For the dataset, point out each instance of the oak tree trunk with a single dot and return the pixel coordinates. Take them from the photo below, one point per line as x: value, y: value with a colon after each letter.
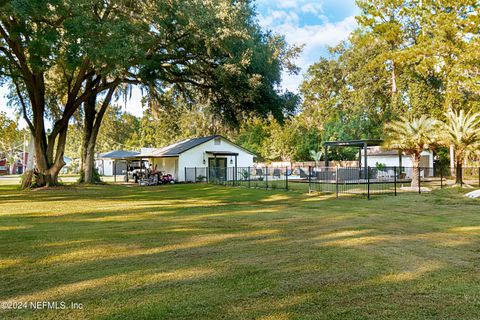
x: 92, y: 123
x: 87, y: 160
x: 48, y: 155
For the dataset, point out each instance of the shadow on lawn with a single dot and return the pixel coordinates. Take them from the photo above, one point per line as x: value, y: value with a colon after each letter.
x: 275, y: 255
x: 125, y: 192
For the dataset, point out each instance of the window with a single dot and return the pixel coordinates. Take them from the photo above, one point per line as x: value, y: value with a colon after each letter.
x: 218, y: 141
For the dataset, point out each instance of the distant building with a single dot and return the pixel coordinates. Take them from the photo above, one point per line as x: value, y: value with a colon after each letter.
x: 18, y: 166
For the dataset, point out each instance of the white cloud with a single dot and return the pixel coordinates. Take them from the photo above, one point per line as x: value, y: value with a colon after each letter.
x: 288, y: 4
x: 315, y: 38
x: 314, y: 8
x: 328, y: 34
x: 290, y: 17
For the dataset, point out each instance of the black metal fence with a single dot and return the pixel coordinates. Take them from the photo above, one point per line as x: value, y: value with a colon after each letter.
x: 336, y: 180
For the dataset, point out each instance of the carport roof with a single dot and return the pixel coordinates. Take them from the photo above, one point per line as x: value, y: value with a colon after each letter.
x: 117, y: 154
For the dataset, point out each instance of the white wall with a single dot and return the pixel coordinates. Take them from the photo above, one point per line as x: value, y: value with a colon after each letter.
x: 389, y: 161
x: 104, y: 166
x: 393, y: 161
x: 194, y: 157
x: 166, y: 165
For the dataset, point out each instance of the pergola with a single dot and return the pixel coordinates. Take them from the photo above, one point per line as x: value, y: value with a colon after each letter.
x: 360, y: 144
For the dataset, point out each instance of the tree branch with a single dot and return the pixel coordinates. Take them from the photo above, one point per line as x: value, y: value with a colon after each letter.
x: 17, y: 51
x: 103, y: 108
x: 24, y: 108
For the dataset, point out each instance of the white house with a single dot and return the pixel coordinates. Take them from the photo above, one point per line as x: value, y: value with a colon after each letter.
x: 391, y: 158
x: 191, y: 158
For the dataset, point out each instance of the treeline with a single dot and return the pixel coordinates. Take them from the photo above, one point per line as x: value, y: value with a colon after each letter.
x: 406, y: 58
x: 208, y: 67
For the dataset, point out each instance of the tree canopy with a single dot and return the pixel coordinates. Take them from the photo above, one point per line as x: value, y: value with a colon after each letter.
x: 406, y: 57
x: 58, y: 54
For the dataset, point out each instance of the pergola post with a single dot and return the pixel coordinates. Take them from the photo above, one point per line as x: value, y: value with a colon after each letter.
x: 325, y: 152
x: 359, y: 158
x: 365, y: 158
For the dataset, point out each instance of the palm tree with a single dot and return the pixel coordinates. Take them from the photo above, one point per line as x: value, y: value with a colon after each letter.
x: 316, y: 156
x: 412, y: 136
x: 462, y: 131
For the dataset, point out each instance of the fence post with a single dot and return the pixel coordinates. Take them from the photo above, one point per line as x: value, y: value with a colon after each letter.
x: 248, y: 177
x: 368, y: 183
x: 185, y: 177
x: 266, y: 177
x: 478, y: 169
x: 395, y: 180
x: 419, y: 180
x: 441, y: 177
x: 309, y: 178
x: 235, y: 176
x: 336, y: 182
x: 286, y: 178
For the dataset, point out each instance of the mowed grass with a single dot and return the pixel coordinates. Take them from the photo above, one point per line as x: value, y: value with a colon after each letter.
x: 210, y: 252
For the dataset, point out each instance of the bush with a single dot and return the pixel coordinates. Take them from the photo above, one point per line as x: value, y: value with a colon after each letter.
x: 380, y: 166
x: 201, y: 178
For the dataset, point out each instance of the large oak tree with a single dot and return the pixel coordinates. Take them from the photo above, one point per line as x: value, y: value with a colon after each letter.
x: 59, y: 55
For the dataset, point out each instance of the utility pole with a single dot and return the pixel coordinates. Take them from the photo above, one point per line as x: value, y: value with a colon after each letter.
x: 24, y: 156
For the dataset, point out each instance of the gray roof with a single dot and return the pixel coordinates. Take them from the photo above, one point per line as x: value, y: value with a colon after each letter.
x: 117, y: 154
x: 174, y: 150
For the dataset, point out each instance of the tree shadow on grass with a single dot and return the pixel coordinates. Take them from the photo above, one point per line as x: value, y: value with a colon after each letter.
x: 265, y: 258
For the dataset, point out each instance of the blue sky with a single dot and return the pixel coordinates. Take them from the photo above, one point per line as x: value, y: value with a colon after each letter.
x: 316, y: 24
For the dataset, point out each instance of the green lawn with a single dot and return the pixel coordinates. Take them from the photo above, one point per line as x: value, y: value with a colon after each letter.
x: 209, y: 252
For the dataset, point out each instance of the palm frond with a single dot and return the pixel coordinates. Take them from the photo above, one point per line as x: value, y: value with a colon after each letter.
x: 412, y: 135
x: 462, y: 130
